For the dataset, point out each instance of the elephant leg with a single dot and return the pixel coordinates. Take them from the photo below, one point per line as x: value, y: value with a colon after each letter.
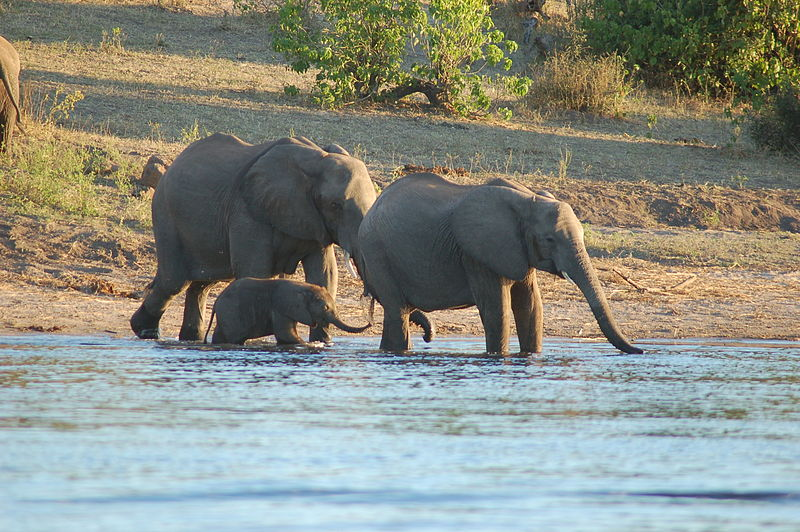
x: 396, y: 336
x: 219, y: 337
x: 492, y: 296
x: 285, y: 330
x: 321, y: 269
x: 158, y: 296
x: 194, y: 310
x: 526, y: 303
x: 7, y: 121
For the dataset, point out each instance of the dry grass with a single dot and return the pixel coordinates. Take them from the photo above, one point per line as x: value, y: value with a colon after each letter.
x: 771, y: 251
x: 575, y: 80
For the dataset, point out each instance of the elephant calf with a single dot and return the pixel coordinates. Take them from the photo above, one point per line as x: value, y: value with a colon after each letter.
x: 252, y: 308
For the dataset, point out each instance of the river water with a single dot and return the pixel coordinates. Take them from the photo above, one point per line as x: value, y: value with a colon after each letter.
x: 100, y: 434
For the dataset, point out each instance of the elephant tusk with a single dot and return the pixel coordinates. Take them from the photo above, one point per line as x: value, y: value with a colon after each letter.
x: 348, y: 263
x: 566, y: 276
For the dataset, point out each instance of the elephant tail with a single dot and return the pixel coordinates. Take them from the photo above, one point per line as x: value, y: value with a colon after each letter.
x: 210, y: 321
x: 13, y: 97
x: 422, y: 320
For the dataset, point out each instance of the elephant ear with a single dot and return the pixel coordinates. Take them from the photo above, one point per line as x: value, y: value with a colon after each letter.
x: 487, y: 225
x: 280, y: 188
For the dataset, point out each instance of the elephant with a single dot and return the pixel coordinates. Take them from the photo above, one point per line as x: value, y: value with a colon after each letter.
x: 226, y: 209
x: 10, y: 114
x: 251, y: 308
x: 431, y: 244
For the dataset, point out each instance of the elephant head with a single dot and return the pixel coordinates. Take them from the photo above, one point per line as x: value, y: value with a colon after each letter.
x: 315, y: 306
x: 310, y: 193
x: 511, y: 230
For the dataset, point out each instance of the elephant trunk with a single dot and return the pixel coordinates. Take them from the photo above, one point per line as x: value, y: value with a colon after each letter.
x: 583, y: 275
x: 334, y: 320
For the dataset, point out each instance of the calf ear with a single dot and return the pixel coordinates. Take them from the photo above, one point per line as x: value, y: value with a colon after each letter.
x: 488, y: 228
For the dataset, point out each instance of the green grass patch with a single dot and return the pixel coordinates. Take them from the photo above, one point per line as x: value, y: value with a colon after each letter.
x: 47, y: 177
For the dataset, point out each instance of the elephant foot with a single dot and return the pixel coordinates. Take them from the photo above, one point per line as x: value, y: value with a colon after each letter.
x: 145, y: 324
x: 320, y: 335
x: 149, y: 334
x: 298, y: 341
x: 190, y: 334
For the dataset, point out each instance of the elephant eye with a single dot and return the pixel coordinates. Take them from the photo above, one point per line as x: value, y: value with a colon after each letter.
x: 336, y: 205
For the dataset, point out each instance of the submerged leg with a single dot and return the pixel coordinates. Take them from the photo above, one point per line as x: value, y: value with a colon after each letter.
x: 526, y: 303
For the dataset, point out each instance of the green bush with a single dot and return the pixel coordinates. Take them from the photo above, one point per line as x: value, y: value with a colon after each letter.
x: 776, y: 126
x: 713, y: 46
x: 48, y: 176
x: 577, y: 80
x: 357, y: 45
x: 388, y: 49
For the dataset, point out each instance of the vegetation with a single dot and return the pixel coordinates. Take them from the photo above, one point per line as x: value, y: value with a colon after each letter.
x: 47, y: 175
x: 387, y: 49
x: 776, y: 125
x: 575, y: 79
x: 717, y: 46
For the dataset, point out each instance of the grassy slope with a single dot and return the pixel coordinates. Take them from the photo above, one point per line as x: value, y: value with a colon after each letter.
x: 188, y: 71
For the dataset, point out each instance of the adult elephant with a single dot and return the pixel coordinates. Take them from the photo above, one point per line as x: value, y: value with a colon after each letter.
x: 10, y: 115
x: 431, y: 244
x: 228, y: 209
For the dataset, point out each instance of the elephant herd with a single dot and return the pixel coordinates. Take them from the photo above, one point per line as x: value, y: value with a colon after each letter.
x: 226, y: 209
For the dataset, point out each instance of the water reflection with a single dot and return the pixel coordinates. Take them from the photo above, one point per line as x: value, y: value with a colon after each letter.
x: 130, y: 435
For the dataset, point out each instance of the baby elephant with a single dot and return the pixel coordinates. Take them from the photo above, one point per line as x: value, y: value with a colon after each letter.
x: 251, y: 308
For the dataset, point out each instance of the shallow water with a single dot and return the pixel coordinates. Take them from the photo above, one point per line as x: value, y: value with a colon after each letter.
x: 129, y: 435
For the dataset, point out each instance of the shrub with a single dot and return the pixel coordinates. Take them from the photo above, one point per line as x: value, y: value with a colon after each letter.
x: 776, y: 125
x: 367, y: 49
x: 358, y: 45
x: 575, y: 79
x: 713, y: 46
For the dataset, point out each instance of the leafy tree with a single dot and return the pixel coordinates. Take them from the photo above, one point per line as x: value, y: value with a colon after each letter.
x: 387, y: 49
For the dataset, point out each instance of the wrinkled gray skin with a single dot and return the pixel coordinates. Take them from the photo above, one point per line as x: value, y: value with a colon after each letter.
x: 10, y: 115
x: 431, y: 244
x: 251, y: 308
x: 227, y: 209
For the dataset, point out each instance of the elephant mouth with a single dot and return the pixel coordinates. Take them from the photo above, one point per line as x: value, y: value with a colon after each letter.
x: 550, y: 267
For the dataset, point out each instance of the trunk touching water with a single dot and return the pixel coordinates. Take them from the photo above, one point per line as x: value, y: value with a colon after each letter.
x: 583, y: 275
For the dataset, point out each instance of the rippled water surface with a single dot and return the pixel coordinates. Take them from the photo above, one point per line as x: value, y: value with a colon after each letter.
x: 128, y: 435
